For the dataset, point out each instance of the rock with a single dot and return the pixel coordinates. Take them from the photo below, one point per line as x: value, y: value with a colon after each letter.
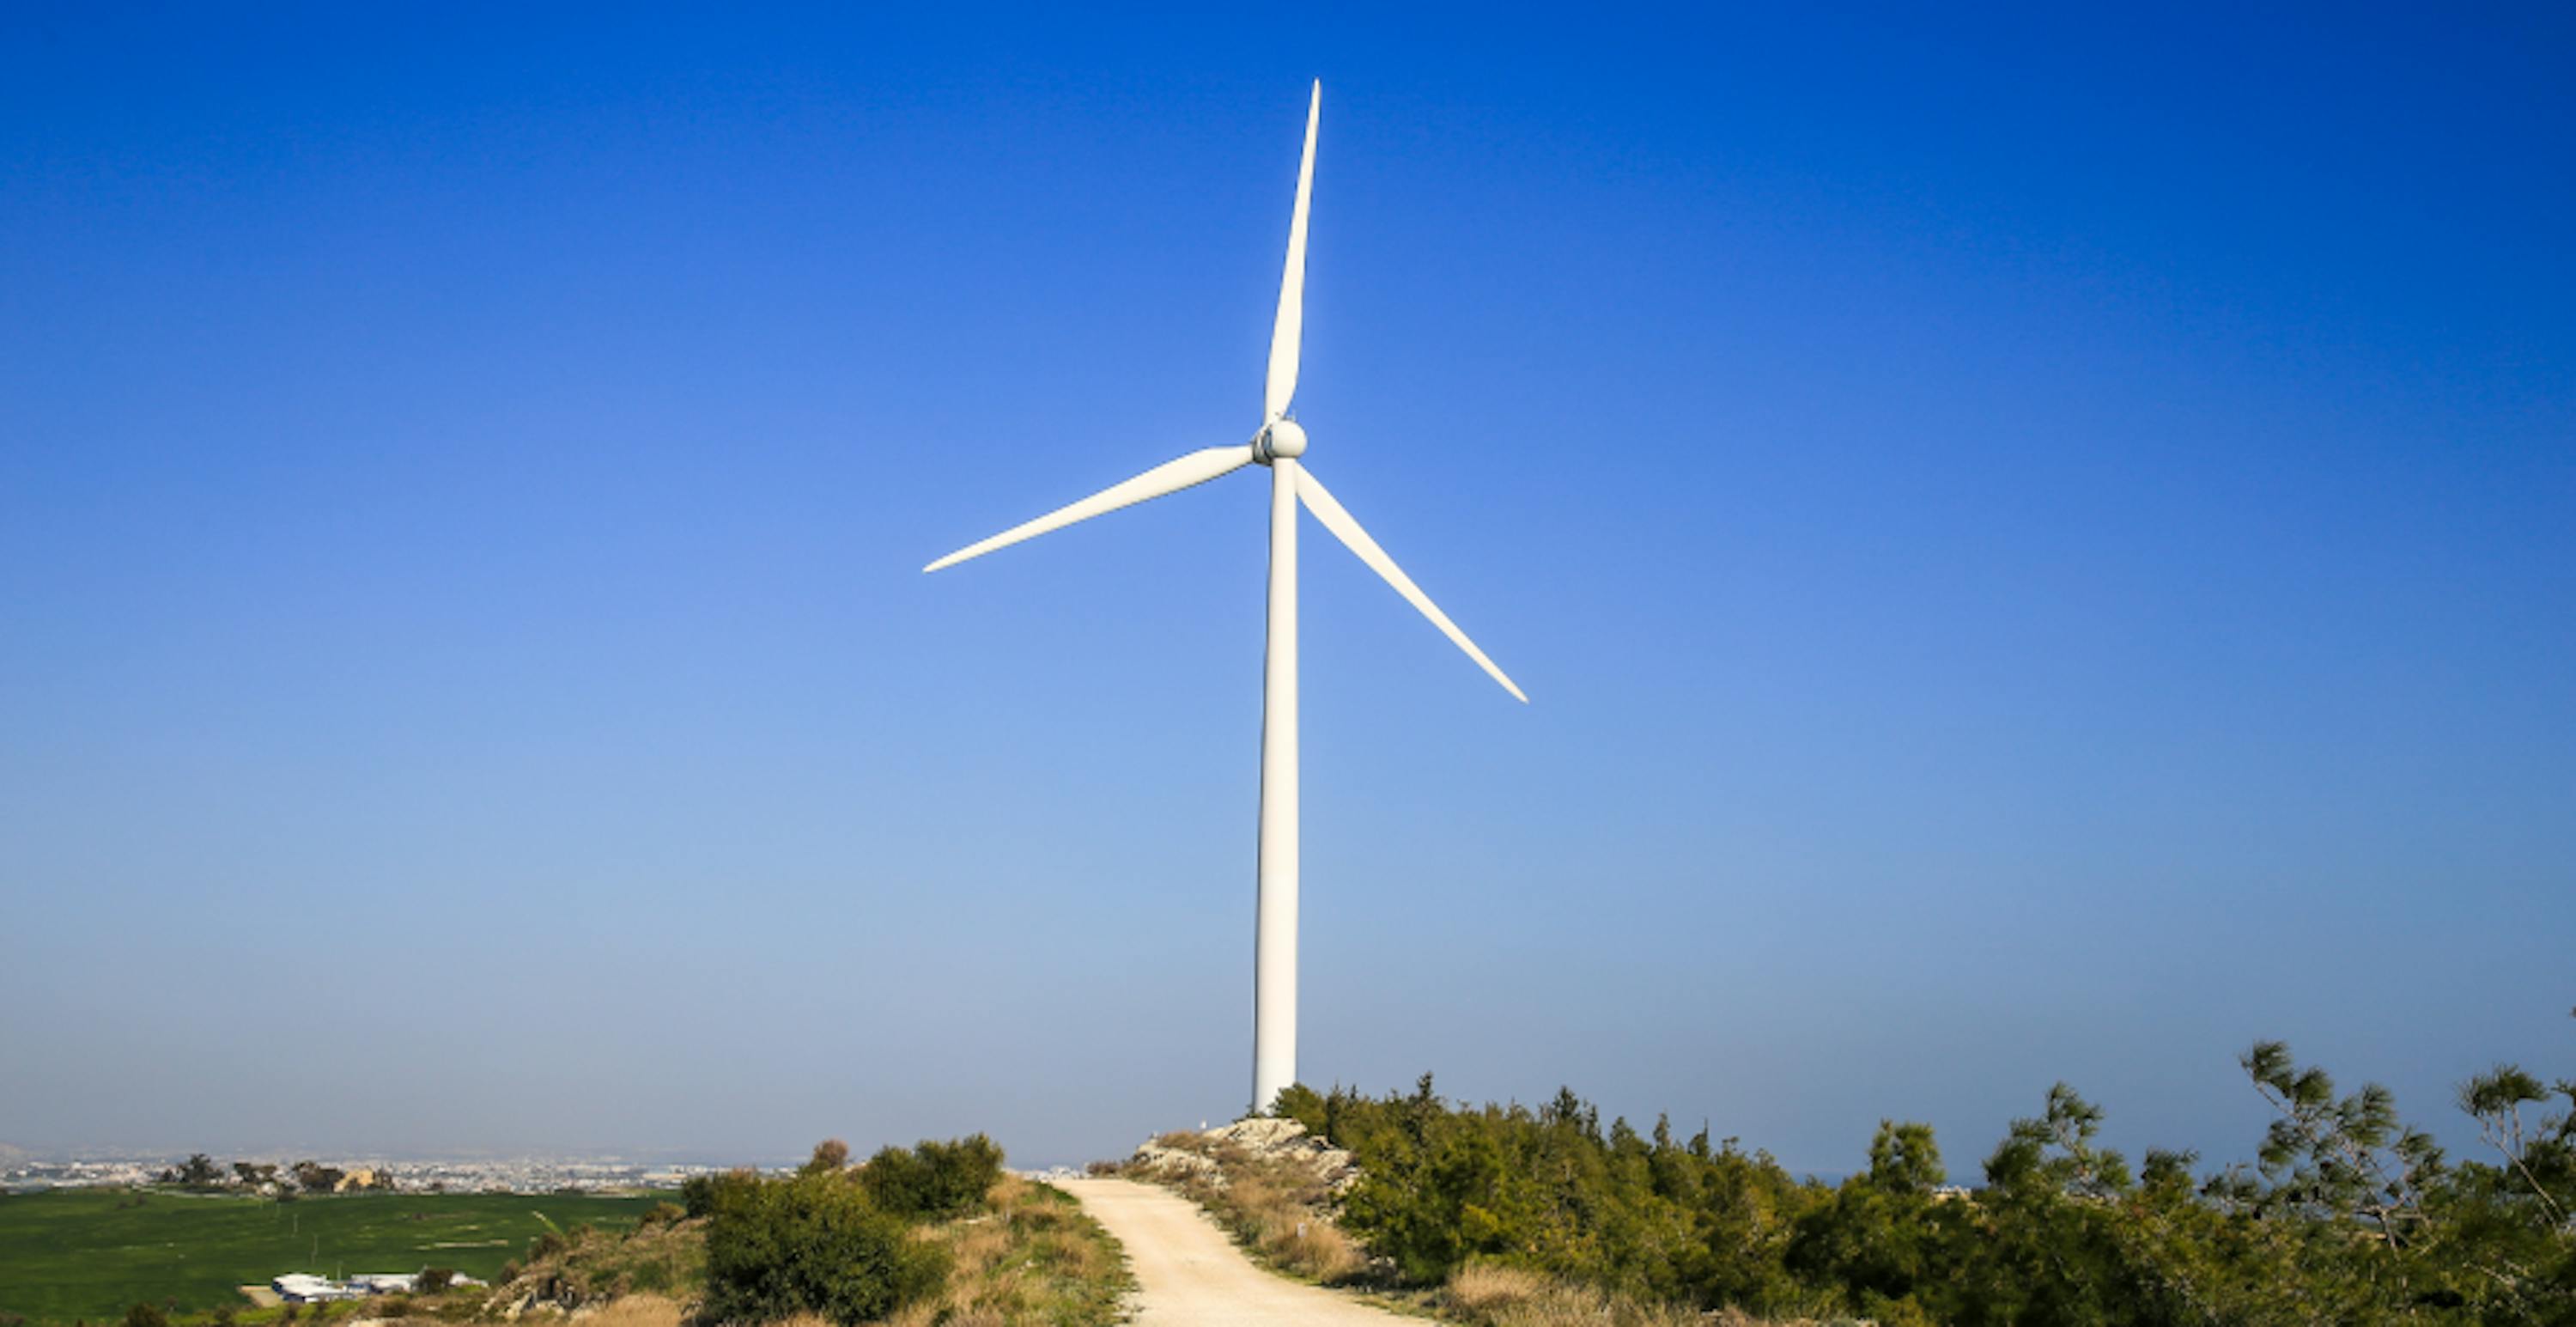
x: 1174, y: 1163
x: 1260, y: 1138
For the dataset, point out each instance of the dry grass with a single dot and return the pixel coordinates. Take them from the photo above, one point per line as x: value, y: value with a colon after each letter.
x: 1488, y: 1287
x: 1732, y: 1317
x: 1032, y: 1258
x: 1493, y: 1296
x: 1280, y: 1209
x: 597, y: 1267
x: 1277, y: 1208
x: 642, y: 1311
x: 1313, y: 1247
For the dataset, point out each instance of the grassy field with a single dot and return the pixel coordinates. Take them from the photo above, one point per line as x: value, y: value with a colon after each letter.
x: 88, y: 1254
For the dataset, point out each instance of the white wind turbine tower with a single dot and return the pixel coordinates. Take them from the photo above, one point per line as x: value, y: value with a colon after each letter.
x: 1278, y: 444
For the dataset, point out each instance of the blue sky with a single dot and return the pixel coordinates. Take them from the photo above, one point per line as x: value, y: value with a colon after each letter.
x: 2041, y: 545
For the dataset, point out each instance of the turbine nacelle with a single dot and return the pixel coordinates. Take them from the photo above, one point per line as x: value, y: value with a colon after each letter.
x: 1282, y: 437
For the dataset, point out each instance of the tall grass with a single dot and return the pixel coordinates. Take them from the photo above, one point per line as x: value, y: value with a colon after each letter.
x: 1031, y: 1257
x: 640, y: 1311
x: 1489, y: 1295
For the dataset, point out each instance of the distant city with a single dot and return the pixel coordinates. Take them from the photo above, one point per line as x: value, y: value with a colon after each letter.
x: 21, y: 1172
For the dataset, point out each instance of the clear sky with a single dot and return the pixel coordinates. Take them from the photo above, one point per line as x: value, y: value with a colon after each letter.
x: 2042, y: 545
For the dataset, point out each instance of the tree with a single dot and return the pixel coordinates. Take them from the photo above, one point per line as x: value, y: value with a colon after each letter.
x: 2516, y: 1221
x: 2540, y: 1154
x: 1300, y: 1103
x: 1882, y: 1238
x: 433, y: 1280
x: 199, y: 1171
x: 933, y: 1180
x: 1903, y: 1158
x: 776, y: 1248
x: 316, y: 1177
x: 2347, y: 1156
x: 700, y: 1194
x: 830, y: 1155
x: 2056, y: 1152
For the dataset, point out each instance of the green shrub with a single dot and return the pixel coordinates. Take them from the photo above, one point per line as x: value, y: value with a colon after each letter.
x: 815, y: 1243
x: 831, y: 1154
x: 933, y: 1181
x: 1301, y: 1103
x: 2350, y: 1213
x: 699, y: 1194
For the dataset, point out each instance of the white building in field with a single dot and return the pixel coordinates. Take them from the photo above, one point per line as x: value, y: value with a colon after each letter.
x: 305, y: 1288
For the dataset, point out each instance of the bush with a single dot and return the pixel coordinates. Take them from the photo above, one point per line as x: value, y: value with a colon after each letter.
x: 815, y: 1243
x: 433, y: 1280
x: 1300, y: 1103
x: 144, y: 1315
x: 2350, y: 1214
x: 933, y: 1181
x: 597, y: 1267
x: 699, y: 1194
x: 831, y: 1154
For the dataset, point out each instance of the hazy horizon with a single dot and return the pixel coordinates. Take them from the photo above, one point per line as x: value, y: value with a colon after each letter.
x: 2040, y: 545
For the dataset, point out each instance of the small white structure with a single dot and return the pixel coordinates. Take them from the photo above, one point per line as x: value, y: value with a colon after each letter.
x: 306, y: 1288
x: 384, y: 1283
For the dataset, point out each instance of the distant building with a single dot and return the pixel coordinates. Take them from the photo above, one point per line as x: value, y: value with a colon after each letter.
x: 305, y: 1288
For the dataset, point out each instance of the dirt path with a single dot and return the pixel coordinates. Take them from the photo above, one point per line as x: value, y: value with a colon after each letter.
x: 1188, y: 1272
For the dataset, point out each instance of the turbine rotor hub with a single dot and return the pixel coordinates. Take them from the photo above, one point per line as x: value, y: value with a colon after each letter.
x: 1281, y: 437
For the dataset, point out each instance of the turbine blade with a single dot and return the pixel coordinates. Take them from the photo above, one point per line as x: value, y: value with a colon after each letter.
x: 1169, y: 477
x: 1290, y: 328
x: 1339, y: 521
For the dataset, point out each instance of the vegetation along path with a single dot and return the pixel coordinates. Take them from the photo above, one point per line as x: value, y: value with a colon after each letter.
x: 1187, y: 1271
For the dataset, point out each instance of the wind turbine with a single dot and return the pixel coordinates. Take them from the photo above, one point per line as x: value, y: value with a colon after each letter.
x: 1278, y: 445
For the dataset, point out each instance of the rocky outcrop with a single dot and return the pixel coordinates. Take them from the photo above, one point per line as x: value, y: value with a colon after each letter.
x: 1181, y: 1157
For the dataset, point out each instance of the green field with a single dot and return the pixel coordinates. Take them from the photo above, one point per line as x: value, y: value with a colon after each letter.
x: 88, y: 1254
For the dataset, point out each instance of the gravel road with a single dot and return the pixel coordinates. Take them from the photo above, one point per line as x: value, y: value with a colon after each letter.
x: 1188, y: 1272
